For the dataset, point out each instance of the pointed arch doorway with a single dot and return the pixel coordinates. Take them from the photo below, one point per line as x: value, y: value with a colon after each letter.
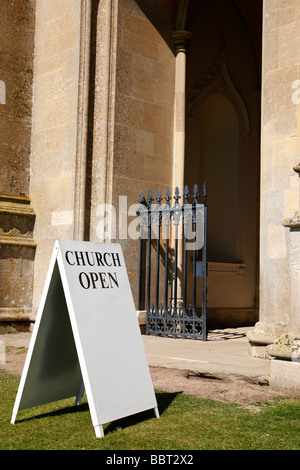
x: 222, y: 149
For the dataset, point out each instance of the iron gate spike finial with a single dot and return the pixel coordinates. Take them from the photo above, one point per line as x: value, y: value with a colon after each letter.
x: 186, y: 194
x: 150, y: 198
x: 159, y: 198
x: 142, y: 197
x: 195, y: 193
x: 177, y: 196
x: 168, y: 196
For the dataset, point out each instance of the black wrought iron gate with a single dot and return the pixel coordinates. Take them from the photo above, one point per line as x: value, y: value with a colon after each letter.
x: 176, y: 233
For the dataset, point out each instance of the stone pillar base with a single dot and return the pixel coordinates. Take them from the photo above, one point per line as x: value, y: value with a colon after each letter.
x: 285, y: 377
x: 285, y: 364
x: 258, y: 351
x: 264, y: 334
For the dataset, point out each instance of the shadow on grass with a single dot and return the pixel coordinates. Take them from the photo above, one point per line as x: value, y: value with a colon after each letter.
x: 59, y: 412
x: 164, y: 400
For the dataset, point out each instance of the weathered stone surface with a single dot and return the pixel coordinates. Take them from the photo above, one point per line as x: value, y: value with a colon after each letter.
x: 266, y: 332
x: 54, y: 128
x: 17, y: 250
x: 16, y: 72
x: 17, y: 218
x: 286, y: 347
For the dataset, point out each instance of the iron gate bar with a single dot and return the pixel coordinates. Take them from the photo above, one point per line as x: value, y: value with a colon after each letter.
x: 173, y: 318
x: 158, y: 225
x: 150, y: 200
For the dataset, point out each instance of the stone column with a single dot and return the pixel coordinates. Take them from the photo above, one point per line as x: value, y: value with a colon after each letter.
x: 293, y: 224
x: 181, y: 41
x: 278, y: 331
x: 278, y: 124
x: 82, y: 121
x: 285, y: 351
x: 104, y: 107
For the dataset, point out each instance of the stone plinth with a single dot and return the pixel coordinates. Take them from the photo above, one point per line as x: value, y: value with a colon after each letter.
x: 264, y: 334
x: 285, y: 364
x: 285, y: 377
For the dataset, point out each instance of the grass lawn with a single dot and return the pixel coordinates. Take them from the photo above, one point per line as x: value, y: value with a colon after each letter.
x: 186, y: 423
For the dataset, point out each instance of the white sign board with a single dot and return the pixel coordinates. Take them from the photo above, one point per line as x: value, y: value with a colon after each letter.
x: 86, y: 336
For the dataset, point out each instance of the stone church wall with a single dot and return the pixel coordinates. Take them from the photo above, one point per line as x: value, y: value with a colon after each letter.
x: 17, y: 247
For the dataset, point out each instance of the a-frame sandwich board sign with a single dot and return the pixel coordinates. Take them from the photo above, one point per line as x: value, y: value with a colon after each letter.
x: 86, y: 336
